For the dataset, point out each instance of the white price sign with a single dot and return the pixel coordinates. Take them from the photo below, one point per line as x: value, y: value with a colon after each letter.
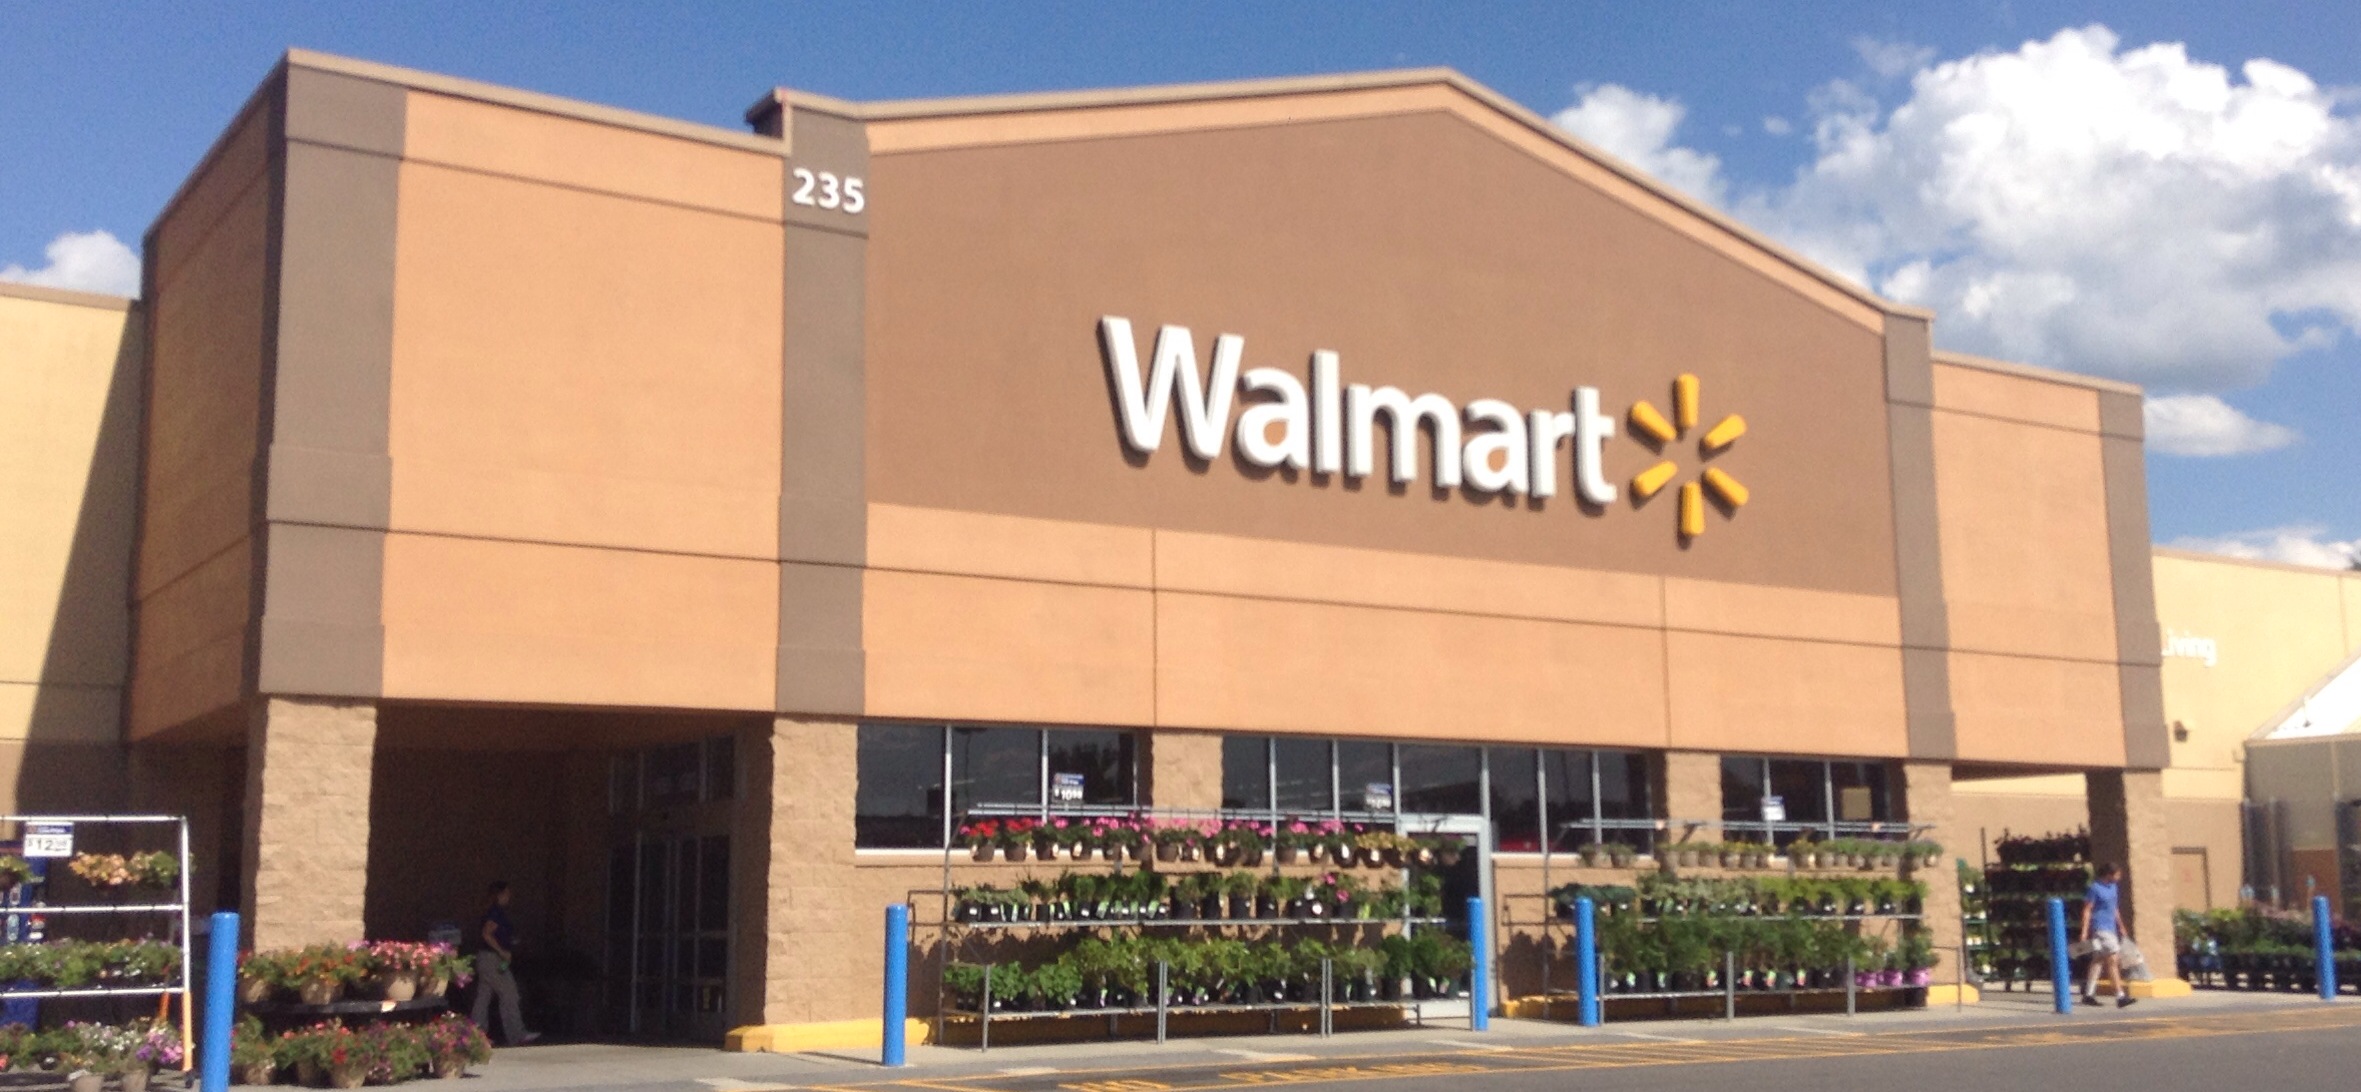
x: 49, y: 839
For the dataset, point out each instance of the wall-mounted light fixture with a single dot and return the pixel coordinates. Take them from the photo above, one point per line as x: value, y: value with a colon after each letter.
x: 2180, y: 732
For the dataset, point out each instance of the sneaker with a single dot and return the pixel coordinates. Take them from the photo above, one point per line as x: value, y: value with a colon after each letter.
x: 2126, y: 1002
x: 2090, y: 999
x: 528, y: 1037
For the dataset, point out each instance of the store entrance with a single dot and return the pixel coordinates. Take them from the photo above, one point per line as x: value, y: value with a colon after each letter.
x: 668, y: 897
x: 1468, y: 877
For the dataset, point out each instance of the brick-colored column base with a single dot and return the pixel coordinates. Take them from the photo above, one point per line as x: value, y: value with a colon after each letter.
x: 307, y: 819
x: 2128, y: 826
x: 1926, y: 801
x: 819, y: 950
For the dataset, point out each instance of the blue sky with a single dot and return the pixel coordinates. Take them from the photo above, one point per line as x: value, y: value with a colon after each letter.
x: 2201, y: 215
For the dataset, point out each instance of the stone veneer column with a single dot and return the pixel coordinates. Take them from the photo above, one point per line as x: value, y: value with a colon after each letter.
x: 2128, y: 827
x: 805, y: 936
x: 1693, y: 790
x: 1183, y: 768
x: 307, y: 819
x: 1926, y: 801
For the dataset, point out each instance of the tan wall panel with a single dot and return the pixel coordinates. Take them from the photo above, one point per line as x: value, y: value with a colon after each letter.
x: 990, y: 267
x: 1272, y: 569
x: 2021, y: 709
x: 2218, y: 828
x: 968, y: 647
x: 1980, y: 819
x: 589, y: 155
x: 1259, y: 665
x: 2018, y: 398
x: 236, y: 162
x: 1714, y: 607
x: 61, y: 713
x: 940, y: 540
x: 503, y: 621
x: 2352, y: 597
x: 2025, y: 562
x: 190, y: 650
x: 68, y: 416
x: 1752, y: 694
x: 635, y: 400
x: 204, y: 393
x: 2277, y: 630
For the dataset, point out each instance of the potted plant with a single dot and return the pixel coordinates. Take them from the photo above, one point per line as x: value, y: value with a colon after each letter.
x: 319, y: 973
x: 157, y: 1046
x: 1293, y: 840
x: 1594, y: 855
x: 14, y: 870
x: 254, y: 1055
x: 980, y: 837
x: 259, y: 973
x: 1174, y: 842
x: 1015, y: 838
x: 393, y: 969
x: 447, y: 969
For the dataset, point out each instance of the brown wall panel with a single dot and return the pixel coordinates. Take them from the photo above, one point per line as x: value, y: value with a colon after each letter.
x: 990, y: 266
x: 2025, y: 543
x: 469, y: 619
x: 966, y: 647
x: 1755, y: 695
x: 941, y: 540
x: 189, y: 652
x: 2023, y: 709
x: 205, y: 391
x: 1712, y: 607
x: 635, y: 401
x: 1268, y: 569
x: 1262, y: 665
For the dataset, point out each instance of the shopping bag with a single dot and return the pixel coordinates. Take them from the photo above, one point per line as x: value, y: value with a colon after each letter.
x: 2134, y: 964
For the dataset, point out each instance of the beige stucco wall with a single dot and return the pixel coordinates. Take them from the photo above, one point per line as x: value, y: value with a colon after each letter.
x: 593, y: 519
x: 2026, y: 577
x: 69, y: 411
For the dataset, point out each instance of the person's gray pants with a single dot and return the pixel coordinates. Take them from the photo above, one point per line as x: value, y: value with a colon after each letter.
x: 492, y: 976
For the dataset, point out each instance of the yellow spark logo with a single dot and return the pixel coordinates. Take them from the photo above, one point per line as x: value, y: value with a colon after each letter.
x: 1647, y: 421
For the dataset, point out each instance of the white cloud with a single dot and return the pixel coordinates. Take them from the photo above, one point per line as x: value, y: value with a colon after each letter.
x: 2203, y: 425
x: 1777, y: 126
x: 2132, y: 212
x: 2298, y: 544
x: 1638, y: 128
x: 1891, y: 58
x: 88, y: 261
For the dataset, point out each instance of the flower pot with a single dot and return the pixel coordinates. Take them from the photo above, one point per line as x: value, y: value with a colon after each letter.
x: 1287, y: 854
x: 258, y: 1073
x: 434, y: 987
x: 1594, y: 858
x: 351, y: 1076
x: 1922, y: 977
x: 981, y: 853
x: 1730, y: 860
x: 1015, y: 851
x: 253, y: 991
x: 86, y: 1082
x: 317, y: 993
x: 1167, y: 853
x: 1684, y: 858
x: 397, y: 987
x: 309, y: 1074
x: 449, y: 1069
x: 1251, y: 857
x: 134, y: 1080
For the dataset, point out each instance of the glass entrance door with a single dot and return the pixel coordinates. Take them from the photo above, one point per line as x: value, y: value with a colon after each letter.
x: 1468, y: 877
x: 668, y: 916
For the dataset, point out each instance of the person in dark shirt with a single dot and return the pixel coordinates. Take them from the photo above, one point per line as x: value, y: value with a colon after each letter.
x: 493, y: 974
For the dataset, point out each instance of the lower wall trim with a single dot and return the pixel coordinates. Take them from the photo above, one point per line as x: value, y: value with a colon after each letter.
x: 824, y: 1035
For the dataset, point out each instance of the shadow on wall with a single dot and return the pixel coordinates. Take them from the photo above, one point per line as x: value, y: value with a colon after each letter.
x: 73, y: 757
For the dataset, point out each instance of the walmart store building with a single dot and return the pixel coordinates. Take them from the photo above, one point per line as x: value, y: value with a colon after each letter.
x: 687, y: 524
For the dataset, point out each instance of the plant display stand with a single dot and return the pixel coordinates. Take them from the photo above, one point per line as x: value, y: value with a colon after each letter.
x: 2017, y: 889
x: 145, y: 911
x: 1153, y: 923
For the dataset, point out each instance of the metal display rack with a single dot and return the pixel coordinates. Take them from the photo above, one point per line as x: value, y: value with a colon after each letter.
x: 177, y: 911
x: 1660, y: 832
x: 958, y: 936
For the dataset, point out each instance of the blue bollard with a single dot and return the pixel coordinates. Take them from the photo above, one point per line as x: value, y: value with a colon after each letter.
x: 2061, y: 970
x: 1479, y: 993
x: 897, y: 984
x: 2324, y: 942
x: 221, y: 1003
x: 1586, y: 960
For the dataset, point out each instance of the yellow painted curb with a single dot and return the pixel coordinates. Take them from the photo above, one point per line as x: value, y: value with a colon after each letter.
x: 2161, y: 987
x: 827, y: 1035
x: 1953, y: 995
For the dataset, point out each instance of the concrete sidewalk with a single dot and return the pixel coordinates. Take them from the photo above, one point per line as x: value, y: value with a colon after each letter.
x: 697, y: 1069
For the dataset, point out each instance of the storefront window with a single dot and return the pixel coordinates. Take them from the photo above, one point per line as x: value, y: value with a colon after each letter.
x: 1442, y: 780
x: 1246, y: 773
x: 1742, y: 789
x: 1566, y: 774
x: 898, y: 803
x: 1305, y: 774
x: 1365, y: 776
x: 1813, y: 796
x: 1626, y: 793
x: 1859, y: 790
x: 1102, y: 760
x: 1513, y: 774
x: 901, y: 795
x: 1802, y: 790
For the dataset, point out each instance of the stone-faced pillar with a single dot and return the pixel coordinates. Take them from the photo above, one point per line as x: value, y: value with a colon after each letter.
x: 807, y: 936
x: 1926, y: 802
x: 1184, y: 770
x: 306, y: 864
x: 1693, y: 791
x: 2128, y: 827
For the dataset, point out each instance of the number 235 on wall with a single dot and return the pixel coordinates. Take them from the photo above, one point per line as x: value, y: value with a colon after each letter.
x: 823, y: 189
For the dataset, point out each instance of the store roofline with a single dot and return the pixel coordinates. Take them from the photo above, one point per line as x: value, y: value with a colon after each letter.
x: 2035, y: 371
